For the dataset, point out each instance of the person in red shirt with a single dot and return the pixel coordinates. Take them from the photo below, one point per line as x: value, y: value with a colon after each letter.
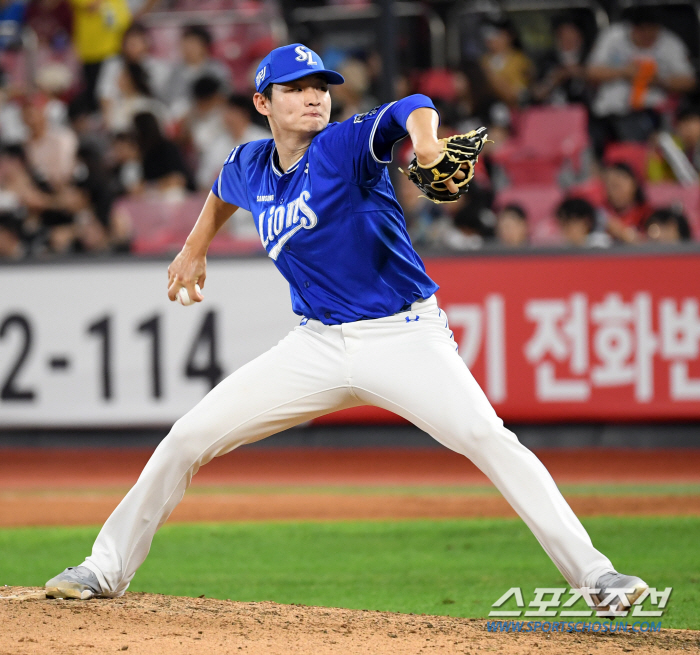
x: 625, y: 204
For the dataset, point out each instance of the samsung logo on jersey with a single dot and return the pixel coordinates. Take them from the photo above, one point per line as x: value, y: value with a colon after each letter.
x: 266, y: 198
x: 293, y: 217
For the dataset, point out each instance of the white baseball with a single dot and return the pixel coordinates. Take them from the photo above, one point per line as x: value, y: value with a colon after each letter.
x: 184, y: 298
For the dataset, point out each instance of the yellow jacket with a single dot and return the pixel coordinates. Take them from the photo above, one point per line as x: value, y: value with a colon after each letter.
x: 98, y: 27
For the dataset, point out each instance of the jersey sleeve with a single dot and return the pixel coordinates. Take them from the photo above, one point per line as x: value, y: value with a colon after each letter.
x: 231, y: 186
x: 362, y: 145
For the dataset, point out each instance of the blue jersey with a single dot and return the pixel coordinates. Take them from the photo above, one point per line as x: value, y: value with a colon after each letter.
x: 332, y: 223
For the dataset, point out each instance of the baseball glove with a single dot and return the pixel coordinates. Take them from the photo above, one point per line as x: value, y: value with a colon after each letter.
x: 459, y: 150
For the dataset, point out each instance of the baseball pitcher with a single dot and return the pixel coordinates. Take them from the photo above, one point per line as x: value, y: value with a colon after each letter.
x: 371, y: 331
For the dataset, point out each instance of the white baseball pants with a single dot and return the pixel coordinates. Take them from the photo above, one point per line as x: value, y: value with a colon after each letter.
x: 406, y: 363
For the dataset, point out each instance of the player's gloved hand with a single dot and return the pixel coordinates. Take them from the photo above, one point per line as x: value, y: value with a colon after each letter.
x: 186, y: 270
x: 447, y: 177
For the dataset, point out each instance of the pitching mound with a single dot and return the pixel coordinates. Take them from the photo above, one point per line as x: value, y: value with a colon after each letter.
x: 149, y: 624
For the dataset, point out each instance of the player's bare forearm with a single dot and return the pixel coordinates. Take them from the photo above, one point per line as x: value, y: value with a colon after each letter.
x: 422, y: 127
x: 190, y: 265
x: 211, y: 219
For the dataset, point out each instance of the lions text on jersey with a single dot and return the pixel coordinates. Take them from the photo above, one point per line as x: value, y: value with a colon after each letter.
x: 331, y: 223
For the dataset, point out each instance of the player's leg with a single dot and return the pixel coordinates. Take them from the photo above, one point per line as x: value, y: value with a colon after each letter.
x: 300, y: 378
x: 412, y: 368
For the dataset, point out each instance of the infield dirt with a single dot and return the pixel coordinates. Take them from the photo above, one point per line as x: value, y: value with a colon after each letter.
x: 149, y: 624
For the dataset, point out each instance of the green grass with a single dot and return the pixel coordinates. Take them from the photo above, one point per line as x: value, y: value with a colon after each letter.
x: 452, y: 567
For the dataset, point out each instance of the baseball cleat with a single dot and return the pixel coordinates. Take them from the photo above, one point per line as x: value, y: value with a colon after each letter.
x: 632, y: 586
x: 77, y: 582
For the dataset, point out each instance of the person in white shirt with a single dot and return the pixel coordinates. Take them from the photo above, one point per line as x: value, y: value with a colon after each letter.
x: 135, y: 49
x: 196, y: 45
x: 135, y: 97
x: 238, y: 128
x: 636, y: 66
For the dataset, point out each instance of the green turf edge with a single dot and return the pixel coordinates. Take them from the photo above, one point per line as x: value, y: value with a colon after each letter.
x: 446, y: 567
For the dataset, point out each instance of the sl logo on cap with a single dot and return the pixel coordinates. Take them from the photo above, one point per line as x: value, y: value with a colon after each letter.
x: 261, y: 76
x: 305, y: 55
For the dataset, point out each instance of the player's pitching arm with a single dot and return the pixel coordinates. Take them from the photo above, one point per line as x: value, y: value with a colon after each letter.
x: 422, y: 125
x: 190, y: 265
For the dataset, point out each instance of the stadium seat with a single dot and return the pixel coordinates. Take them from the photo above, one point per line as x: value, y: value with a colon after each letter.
x: 635, y: 155
x: 162, y: 227
x: 540, y: 203
x: 548, y: 137
x: 685, y: 199
x: 438, y: 83
x: 592, y: 190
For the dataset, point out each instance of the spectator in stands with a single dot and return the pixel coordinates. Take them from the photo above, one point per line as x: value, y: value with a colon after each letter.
x: 97, y: 35
x: 420, y: 214
x: 140, y: 8
x: 204, y: 126
x: 12, y: 19
x: 52, y: 22
x: 577, y: 221
x: 474, y: 217
x: 51, y: 149
x: 667, y: 226
x: 217, y: 140
x: 636, y: 65
x: 196, y: 45
x: 625, y: 206
x: 466, y: 224
x: 49, y: 221
x: 162, y: 163
x: 11, y: 246
x: 354, y: 96
x: 239, y: 124
x: 511, y: 226
x: 561, y: 70
x: 126, y: 169
x: 58, y: 71
x: 87, y: 126
x: 508, y: 69
x: 135, y: 97
x: 135, y: 50
x: 686, y: 137
x: 91, y: 204
x: 464, y: 95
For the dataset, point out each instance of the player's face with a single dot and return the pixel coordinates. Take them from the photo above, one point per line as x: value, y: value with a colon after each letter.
x: 302, y: 106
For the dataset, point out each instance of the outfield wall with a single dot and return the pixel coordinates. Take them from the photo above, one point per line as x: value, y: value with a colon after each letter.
x: 550, y: 337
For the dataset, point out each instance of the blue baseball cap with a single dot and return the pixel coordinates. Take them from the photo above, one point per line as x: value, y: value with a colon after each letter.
x: 291, y: 62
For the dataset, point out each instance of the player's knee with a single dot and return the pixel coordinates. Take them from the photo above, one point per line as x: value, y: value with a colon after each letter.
x: 482, y: 431
x: 181, y: 442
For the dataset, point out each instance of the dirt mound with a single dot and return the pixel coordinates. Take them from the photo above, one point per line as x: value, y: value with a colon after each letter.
x: 150, y: 624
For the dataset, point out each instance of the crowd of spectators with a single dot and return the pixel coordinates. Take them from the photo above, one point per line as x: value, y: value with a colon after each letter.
x: 107, y: 121
x: 638, y: 88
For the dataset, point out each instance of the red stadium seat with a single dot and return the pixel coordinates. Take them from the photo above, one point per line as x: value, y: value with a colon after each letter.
x: 635, y: 155
x: 592, y: 190
x: 161, y: 227
x: 540, y: 203
x: 548, y: 137
x: 685, y: 199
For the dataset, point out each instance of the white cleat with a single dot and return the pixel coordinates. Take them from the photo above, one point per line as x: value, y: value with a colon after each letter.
x: 632, y: 587
x: 77, y: 582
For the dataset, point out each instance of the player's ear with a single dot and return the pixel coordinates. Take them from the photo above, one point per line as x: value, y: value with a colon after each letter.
x: 262, y: 104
